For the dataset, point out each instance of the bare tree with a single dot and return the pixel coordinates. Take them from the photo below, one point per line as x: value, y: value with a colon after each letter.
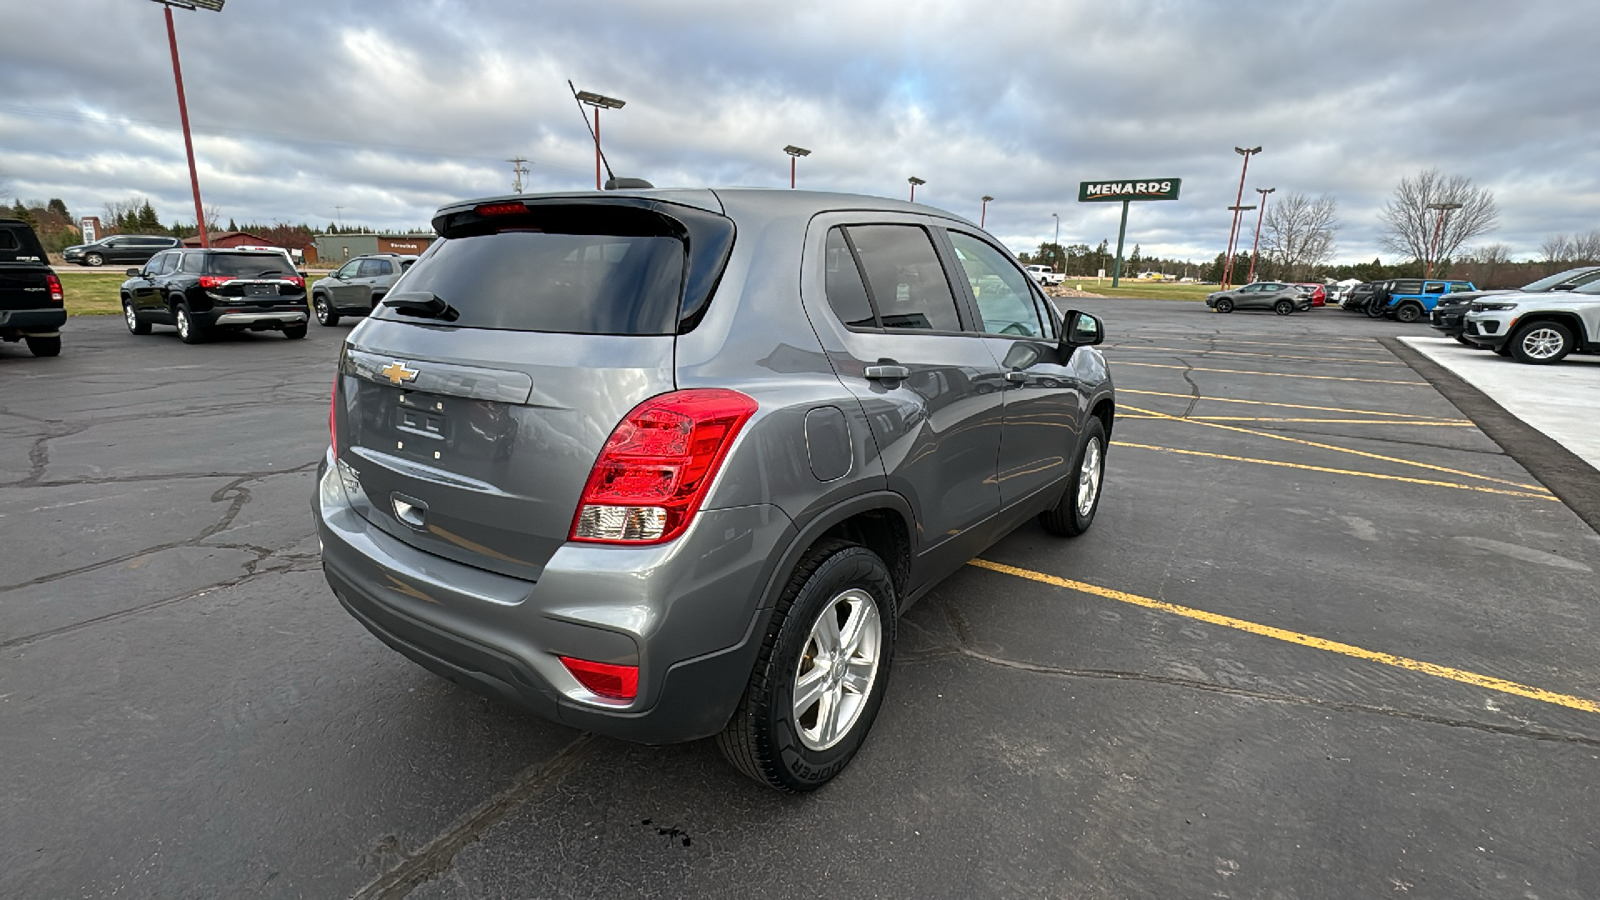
x: 1298, y: 233
x: 1412, y: 228
x: 1576, y: 248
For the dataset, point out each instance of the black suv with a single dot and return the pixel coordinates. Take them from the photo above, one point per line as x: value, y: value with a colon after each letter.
x: 357, y: 287
x: 31, y: 301
x: 119, y: 248
x: 203, y: 291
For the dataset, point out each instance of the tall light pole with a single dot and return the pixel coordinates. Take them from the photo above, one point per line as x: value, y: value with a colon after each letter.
x: 599, y: 102
x: 1433, y: 246
x: 183, y: 106
x: 914, y: 182
x: 983, y: 214
x: 1257, y: 245
x: 1057, y: 217
x: 1233, y: 230
x: 794, y: 154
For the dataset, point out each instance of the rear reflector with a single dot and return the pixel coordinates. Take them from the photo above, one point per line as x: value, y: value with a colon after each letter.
x: 658, y: 463
x: 605, y: 679
x: 499, y: 209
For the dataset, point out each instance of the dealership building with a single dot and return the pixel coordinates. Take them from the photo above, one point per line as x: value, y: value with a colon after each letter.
x: 334, y: 249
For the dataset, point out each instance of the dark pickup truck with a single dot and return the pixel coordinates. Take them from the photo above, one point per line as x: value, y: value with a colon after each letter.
x: 32, y: 304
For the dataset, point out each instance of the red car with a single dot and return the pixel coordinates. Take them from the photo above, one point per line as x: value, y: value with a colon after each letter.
x: 1317, y: 293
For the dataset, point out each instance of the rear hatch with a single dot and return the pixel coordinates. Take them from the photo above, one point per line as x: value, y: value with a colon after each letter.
x: 254, y: 279
x: 474, y: 401
x: 24, y: 269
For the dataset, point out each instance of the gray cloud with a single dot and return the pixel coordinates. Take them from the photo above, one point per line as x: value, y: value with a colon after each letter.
x: 390, y: 109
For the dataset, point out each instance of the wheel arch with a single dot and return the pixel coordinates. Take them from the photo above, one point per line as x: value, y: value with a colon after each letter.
x: 1574, y: 322
x: 881, y: 521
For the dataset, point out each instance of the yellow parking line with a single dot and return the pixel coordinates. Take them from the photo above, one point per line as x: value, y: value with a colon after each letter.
x: 1305, y: 640
x: 1123, y: 362
x: 1205, y: 350
x: 1332, y: 471
x: 1365, y: 412
x: 1121, y: 416
x: 1378, y: 456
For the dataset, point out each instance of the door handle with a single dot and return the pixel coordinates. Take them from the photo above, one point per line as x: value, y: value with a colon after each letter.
x: 888, y: 373
x: 1017, y: 376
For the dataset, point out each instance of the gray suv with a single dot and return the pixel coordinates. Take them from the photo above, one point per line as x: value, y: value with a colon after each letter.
x: 357, y: 286
x: 670, y: 464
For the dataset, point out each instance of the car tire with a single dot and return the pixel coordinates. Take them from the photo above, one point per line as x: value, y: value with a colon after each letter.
x: 768, y: 737
x: 44, y: 346
x: 1503, y: 349
x: 1541, y: 343
x: 136, y: 325
x: 189, y: 331
x: 1075, y: 513
x: 1462, y: 340
x: 1374, y: 311
x: 324, y: 310
x: 1408, y: 313
x: 1224, y: 305
x: 1283, y: 307
x: 93, y: 259
x: 295, y: 332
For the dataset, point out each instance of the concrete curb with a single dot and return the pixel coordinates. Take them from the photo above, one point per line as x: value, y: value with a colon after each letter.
x: 1566, y: 475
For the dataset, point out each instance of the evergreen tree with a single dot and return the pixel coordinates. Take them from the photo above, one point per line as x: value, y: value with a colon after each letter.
x: 147, y: 221
x: 57, y: 206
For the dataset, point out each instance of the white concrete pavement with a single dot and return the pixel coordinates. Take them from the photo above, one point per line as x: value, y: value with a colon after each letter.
x: 1561, y: 400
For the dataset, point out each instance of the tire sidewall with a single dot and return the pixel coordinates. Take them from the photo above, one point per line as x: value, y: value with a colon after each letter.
x: 1283, y: 307
x: 94, y: 260
x: 1094, y: 431
x: 323, y: 309
x: 1408, y: 313
x: 1516, y: 343
x: 1224, y: 305
x: 799, y: 767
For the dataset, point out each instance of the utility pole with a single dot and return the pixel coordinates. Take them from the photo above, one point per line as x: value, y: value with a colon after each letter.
x: 517, y: 171
x: 338, y: 213
x: 1233, y: 230
x: 1257, y: 245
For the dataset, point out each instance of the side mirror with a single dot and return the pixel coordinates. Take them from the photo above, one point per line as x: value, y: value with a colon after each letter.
x: 133, y: 273
x: 1082, y: 329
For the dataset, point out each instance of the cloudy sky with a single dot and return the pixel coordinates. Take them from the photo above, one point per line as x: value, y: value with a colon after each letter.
x: 389, y: 109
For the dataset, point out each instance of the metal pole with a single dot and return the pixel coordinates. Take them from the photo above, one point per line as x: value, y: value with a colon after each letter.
x: 1433, y: 246
x: 913, y: 192
x: 1257, y: 245
x: 1227, y: 268
x: 791, y: 172
x: 1122, y: 230
x: 1057, y: 217
x: 188, y: 143
x: 597, y: 148
x: 983, y: 214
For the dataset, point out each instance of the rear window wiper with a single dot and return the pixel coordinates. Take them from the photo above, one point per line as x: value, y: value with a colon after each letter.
x: 421, y: 303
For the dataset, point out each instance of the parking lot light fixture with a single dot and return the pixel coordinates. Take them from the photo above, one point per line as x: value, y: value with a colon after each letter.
x: 914, y: 182
x: 983, y: 213
x: 1233, y: 230
x: 183, y: 106
x: 1438, y: 230
x: 599, y: 102
x: 794, y: 154
x: 1257, y: 245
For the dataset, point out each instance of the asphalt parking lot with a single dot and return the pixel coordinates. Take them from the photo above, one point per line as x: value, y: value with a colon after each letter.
x: 1325, y: 639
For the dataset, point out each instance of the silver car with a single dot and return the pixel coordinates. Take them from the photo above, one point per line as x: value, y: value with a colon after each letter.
x: 670, y: 464
x: 357, y: 286
x: 1280, y: 297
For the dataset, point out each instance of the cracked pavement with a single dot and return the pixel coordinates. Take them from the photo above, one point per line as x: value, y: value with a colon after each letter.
x: 186, y: 711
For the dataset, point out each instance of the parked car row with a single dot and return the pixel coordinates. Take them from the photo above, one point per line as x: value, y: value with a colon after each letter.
x: 1403, y: 299
x: 1536, y: 327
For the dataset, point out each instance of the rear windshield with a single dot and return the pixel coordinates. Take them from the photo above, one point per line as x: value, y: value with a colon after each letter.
x: 530, y: 280
x: 247, y: 265
x: 16, y: 240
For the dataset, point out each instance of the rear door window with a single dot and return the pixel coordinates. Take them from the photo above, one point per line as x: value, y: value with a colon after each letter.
x: 847, y: 293
x: 532, y: 280
x: 905, y: 280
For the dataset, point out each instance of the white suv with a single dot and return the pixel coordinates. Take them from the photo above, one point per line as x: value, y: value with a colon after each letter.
x: 1537, y: 328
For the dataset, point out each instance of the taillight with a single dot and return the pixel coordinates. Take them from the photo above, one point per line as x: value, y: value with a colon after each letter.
x: 500, y: 209
x: 211, y: 281
x: 605, y: 679
x: 56, y: 294
x: 295, y: 280
x: 655, y: 468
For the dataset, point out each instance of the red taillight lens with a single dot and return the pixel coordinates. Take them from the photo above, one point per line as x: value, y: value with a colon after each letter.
x: 655, y: 468
x: 295, y: 280
x: 56, y: 294
x: 499, y: 209
x: 211, y: 281
x: 605, y: 679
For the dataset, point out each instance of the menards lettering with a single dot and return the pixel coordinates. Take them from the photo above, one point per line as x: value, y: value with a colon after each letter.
x: 1130, y: 187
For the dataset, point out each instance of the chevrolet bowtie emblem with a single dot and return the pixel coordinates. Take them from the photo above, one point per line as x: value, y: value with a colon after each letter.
x: 397, y: 372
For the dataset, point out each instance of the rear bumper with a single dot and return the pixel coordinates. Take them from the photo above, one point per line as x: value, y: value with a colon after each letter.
x: 688, y: 614
x: 223, y: 317
x: 33, y: 321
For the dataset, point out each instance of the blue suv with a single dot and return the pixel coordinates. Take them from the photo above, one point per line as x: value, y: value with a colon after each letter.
x: 1411, y: 299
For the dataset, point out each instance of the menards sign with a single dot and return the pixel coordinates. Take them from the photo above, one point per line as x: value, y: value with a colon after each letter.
x: 1112, y: 191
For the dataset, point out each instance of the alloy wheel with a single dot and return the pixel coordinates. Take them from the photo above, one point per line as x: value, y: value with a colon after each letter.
x: 1089, y: 475
x: 1542, y: 343
x: 183, y: 324
x: 132, y: 317
x: 837, y: 669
